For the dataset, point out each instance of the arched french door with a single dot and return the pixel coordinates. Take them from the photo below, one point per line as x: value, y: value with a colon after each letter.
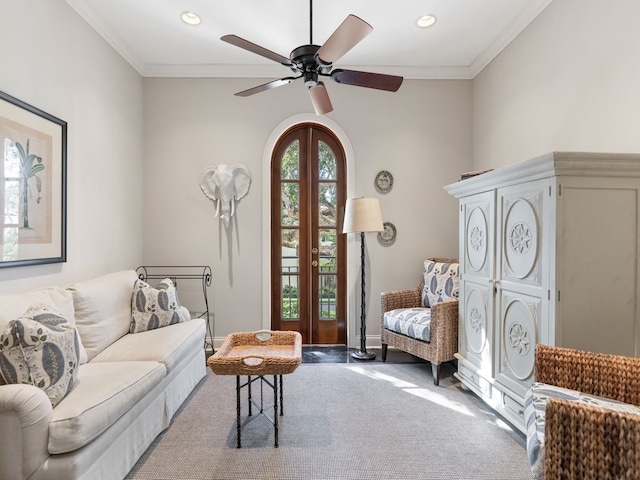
x: 308, y: 250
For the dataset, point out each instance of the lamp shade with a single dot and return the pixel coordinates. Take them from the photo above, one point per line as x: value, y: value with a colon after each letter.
x: 362, y: 215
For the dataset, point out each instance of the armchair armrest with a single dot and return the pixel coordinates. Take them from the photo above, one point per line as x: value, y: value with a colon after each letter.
x: 25, y: 414
x: 444, y: 328
x: 410, y: 298
x: 590, y: 443
x: 604, y: 375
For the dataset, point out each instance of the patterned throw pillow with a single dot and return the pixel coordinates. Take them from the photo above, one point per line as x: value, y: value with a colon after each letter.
x: 41, y: 348
x: 440, y: 282
x: 154, y: 307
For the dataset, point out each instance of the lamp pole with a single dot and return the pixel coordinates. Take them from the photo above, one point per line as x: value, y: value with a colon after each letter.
x: 362, y: 354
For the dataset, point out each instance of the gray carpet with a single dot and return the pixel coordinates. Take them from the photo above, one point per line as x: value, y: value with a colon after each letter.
x: 341, y: 421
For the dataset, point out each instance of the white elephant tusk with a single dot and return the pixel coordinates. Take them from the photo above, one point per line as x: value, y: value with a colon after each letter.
x: 233, y: 206
x: 218, y: 207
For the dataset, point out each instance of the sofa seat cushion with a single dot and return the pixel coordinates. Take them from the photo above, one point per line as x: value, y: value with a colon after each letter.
x: 103, y: 309
x: 104, y: 392
x: 412, y: 322
x: 535, y: 405
x: 167, y: 345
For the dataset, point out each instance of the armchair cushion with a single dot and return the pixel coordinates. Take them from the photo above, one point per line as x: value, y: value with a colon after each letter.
x: 536, y: 400
x: 412, y: 322
x: 440, y: 282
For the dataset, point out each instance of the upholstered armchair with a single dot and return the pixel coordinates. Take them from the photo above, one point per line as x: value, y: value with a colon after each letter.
x: 423, y: 321
x: 583, y: 415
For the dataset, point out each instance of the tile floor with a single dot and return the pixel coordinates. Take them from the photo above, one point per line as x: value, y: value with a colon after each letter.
x: 342, y: 354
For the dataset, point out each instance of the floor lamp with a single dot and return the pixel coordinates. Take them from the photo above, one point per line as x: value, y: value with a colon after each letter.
x: 362, y: 215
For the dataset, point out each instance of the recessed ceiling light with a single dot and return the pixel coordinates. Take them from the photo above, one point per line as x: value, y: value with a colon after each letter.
x: 426, y: 21
x: 190, y: 18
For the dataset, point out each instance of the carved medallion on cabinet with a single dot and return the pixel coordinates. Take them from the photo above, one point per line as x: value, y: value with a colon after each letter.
x: 476, y: 320
x: 477, y: 238
x: 521, y: 247
x: 519, y: 334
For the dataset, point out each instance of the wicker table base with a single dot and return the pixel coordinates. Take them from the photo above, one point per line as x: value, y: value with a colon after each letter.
x: 257, y: 355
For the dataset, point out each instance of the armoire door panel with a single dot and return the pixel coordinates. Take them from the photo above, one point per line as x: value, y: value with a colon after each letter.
x: 521, y: 233
x: 477, y: 325
x: 517, y: 335
x: 478, y: 236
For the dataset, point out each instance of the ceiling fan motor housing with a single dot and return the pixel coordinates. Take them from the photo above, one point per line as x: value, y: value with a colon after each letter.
x: 305, y: 62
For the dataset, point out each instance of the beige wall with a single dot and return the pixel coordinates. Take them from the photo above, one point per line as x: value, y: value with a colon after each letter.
x: 568, y: 82
x: 421, y: 134
x: 53, y: 60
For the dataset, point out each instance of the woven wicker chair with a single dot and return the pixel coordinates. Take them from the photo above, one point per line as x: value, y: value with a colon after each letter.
x: 444, y: 327
x: 583, y: 441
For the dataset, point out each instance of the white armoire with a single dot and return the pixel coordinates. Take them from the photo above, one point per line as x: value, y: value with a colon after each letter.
x: 549, y: 253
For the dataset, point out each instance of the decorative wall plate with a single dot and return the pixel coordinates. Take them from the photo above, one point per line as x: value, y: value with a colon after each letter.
x: 383, y: 181
x: 388, y: 235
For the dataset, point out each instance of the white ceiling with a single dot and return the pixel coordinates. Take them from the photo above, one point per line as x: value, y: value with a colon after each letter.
x: 151, y: 37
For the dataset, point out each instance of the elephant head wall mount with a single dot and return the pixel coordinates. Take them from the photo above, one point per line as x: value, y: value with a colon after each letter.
x: 225, y: 185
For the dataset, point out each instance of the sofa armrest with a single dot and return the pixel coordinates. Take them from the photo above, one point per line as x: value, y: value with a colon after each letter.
x: 604, y: 375
x: 25, y: 415
x: 410, y: 298
x: 587, y: 442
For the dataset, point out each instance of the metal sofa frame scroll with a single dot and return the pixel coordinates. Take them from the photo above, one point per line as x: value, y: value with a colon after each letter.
x: 201, y: 273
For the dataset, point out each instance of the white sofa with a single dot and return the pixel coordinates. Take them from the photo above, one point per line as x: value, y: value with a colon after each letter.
x: 128, y: 388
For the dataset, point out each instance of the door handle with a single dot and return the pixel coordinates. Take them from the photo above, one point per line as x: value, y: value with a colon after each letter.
x: 314, y: 251
x: 314, y: 263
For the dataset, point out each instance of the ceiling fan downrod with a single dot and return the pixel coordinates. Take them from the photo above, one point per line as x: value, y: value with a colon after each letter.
x: 310, y: 22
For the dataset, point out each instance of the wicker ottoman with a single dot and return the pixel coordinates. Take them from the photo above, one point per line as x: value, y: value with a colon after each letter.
x: 258, y: 354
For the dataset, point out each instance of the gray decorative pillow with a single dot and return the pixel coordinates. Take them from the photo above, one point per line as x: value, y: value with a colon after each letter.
x: 41, y: 348
x: 154, y: 307
x: 440, y: 282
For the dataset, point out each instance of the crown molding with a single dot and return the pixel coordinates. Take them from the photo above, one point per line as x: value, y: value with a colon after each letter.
x: 112, y: 37
x: 507, y: 36
x: 409, y: 72
x: 278, y: 71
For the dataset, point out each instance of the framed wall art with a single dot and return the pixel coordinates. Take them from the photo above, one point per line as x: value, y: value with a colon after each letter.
x: 33, y: 185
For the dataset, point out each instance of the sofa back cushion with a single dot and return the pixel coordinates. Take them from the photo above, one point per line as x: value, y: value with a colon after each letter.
x: 13, y: 307
x: 103, y: 309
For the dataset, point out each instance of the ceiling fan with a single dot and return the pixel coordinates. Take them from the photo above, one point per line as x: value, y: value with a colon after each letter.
x: 310, y: 62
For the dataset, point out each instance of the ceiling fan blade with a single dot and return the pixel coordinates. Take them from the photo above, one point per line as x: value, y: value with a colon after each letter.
x: 253, y: 48
x: 320, y: 99
x: 346, y: 36
x: 380, y: 81
x: 266, y: 86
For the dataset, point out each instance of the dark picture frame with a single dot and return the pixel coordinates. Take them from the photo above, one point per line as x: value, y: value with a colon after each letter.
x: 33, y: 185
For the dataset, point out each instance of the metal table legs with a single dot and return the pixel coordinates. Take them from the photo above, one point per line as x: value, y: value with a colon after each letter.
x: 263, y: 409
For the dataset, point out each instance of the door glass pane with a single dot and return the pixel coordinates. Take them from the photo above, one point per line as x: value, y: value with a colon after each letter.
x: 290, y: 297
x: 328, y: 250
x: 327, y: 294
x: 290, y: 201
x: 290, y: 162
x: 290, y: 273
x: 326, y: 162
x: 327, y: 204
x: 290, y: 250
